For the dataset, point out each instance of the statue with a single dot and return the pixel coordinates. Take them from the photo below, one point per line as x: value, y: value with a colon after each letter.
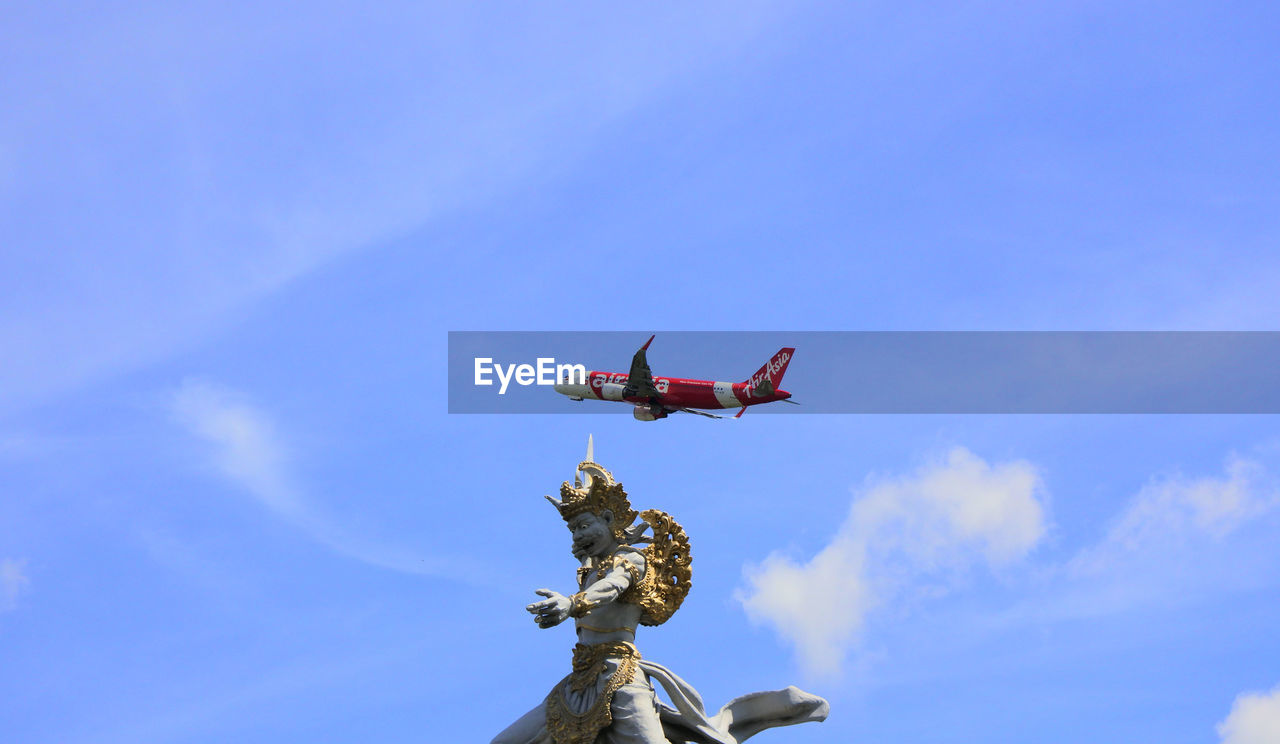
x: 609, y: 696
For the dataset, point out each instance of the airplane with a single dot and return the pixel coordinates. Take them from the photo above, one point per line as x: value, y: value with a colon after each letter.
x: 656, y: 397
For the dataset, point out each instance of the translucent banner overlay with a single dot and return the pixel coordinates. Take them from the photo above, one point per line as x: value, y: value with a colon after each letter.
x: 890, y: 371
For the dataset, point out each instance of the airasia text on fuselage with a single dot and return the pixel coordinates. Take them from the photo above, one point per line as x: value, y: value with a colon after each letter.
x: 600, y: 379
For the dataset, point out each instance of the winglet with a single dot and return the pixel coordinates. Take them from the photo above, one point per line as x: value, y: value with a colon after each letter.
x: 739, y: 413
x: 646, y: 343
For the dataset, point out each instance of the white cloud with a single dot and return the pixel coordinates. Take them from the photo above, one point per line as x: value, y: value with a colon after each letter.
x: 1254, y: 719
x: 247, y: 450
x: 818, y: 606
x: 13, y: 582
x: 1169, y: 512
x: 927, y: 525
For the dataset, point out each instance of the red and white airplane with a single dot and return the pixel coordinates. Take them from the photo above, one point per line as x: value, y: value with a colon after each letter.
x: 655, y: 397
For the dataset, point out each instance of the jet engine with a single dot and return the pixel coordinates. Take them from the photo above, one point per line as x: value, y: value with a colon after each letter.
x: 612, y: 391
x: 649, y: 412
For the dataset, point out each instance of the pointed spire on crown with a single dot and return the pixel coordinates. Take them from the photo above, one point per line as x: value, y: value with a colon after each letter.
x: 594, y: 490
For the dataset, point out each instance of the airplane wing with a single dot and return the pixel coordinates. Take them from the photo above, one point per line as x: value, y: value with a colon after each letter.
x: 700, y: 413
x: 640, y: 379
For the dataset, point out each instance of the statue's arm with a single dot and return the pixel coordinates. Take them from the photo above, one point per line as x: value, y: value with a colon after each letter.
x: 556, y: 608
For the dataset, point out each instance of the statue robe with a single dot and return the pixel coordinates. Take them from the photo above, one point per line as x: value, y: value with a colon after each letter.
x: 685, y: 721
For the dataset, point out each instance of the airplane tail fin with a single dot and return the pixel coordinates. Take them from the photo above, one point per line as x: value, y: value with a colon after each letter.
x: 769, y: 377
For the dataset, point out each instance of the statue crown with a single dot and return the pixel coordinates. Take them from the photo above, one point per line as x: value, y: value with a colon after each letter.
x: 594, y: 490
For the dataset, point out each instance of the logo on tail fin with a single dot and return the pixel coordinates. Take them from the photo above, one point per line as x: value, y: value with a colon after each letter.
x: 765, y: 381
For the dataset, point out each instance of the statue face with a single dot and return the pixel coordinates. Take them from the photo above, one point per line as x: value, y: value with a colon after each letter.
x: 592, y: 534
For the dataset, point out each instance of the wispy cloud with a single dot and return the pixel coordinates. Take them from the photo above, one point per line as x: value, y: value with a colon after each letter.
x: 13, y: 582
x: 1173, y: 510
x: 224, y: 201
x: 1254, y: 719
x: 929, y: 526
x: 247, y: 449
x: 216, y: 701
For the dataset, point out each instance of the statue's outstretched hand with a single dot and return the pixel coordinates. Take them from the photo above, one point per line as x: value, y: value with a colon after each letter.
x: 551, y: 611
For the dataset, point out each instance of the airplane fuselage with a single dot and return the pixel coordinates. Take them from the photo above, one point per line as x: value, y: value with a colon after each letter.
x: 655, y: 397
x: 673, y: 392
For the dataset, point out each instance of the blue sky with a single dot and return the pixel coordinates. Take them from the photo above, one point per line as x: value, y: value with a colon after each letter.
x: 233, y: 239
